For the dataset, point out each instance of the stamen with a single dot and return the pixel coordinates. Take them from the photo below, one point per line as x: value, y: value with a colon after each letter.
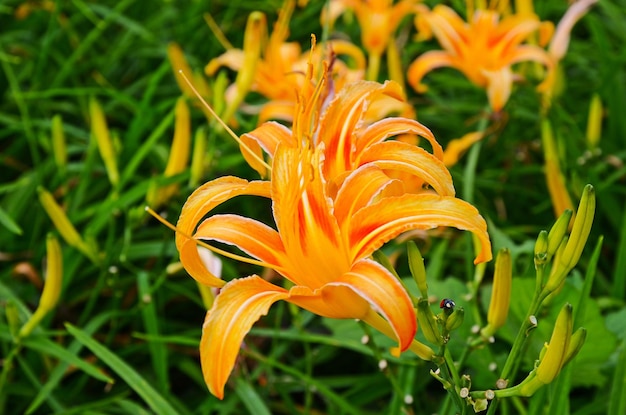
x: 224, y: 125
x: 212, y: 248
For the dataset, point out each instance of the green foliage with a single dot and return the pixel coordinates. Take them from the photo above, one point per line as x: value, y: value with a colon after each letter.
x: 124, y: 336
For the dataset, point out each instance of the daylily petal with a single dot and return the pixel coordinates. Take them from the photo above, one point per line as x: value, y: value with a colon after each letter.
x: 277, y: 110
x: 238, y: 306
x: 534, y: 53
x: 342, y: 117
x: 303, y: 216
x: 201, y: 201
x: 269, y: 135
x: 456, y: 148
x: 399, y: 156
x: 361, y: 188
x: 376, y: 224
x: 394, y: 126
x: 367, y: 284
x: 425, y: 63
x: 499, y: 87
x: 232, y: 59
x: 253, y: 237
x: 560, y: 41
x: 387, y: 296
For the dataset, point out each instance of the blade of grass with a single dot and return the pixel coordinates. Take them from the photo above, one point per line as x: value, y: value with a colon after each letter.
x: 158, y: 351
x: 58, y: 373
x: 251, y: 400
x: 154, y: 400
x: 45, y: 346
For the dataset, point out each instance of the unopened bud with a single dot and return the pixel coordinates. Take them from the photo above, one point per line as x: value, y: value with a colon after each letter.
x: 500, y: 293
x: 416, y: 265
x: 428, y: 322
x: 100, y: 131
x: 551, y: 364
x: 52, y: 287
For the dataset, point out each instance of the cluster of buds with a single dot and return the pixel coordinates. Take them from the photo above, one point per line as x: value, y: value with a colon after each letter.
x: 436, y: 328
x: 563, y: 347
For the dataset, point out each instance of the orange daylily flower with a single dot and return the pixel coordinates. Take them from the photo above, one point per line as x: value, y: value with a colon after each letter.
x: 484, y: 49
x: 280, y: 71
x: 331, y: 212
x: 378, y: 20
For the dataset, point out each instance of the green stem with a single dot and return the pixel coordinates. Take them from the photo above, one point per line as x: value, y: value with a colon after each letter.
x: 373, y: 67
x: 469, y: 173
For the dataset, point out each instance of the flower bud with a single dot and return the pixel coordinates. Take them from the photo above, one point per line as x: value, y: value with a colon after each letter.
x: 561, y: 200
x: 52, y: 287
x: 558, y: 231
x: 594, y: 122
x: 100, y: 131
x: 541, y: 249
x: 500, y: 293
x: 576, y: 242
x: 416, y: 265
x: 199, y: 157
x: 428, y: 322
x: 575, y: 344
x: 454, y: 320
x: 63, y: 224
x: 551, y: 364
x: 59, y: 147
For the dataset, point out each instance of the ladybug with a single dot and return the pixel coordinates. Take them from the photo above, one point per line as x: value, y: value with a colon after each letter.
x: 447, y: 304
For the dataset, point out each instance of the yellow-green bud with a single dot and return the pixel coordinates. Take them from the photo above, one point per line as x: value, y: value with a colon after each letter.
x: 551, y: 364
x: 541, y: 249
x: 52, y: 287
x: 427, y: 322
x: 594, y: 121
x: 100, y: 131
x: 568, y: 258
x: 575, y: 344
x: 416, y: 265
x: 500, y: 293
x: 63, y: 224
x: 199, y: 157
x: 454, y: 320
x: 558, y: 231
x: 59, y: 147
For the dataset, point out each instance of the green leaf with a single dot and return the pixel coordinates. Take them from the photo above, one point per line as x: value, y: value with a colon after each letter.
x: 45, y: 346
x: 250, y: 398
x: 9, y: 223
x: 157, y: 402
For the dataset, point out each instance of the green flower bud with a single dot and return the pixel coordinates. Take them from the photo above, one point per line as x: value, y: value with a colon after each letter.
x: 428, y: 322
x: 416, y: 265
x: 500, y: 293
x: 551, y: 364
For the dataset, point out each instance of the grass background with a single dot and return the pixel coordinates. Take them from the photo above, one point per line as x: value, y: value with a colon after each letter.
x: 135, y: 319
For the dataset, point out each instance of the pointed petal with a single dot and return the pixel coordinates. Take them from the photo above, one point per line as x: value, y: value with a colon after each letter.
x: 499, y: 86
x: 277, y: 110
x: 457, y: 147
x: 237, y: 307
x: 385, y: 293
x: 232, y: 59
x: 394, y: 126
x: 376, y: 224
x: 361, y: 188
x: 269, y: 135
x: 425, y: 63
x: 304, y: 217
x: 560, y: 40
x: 537, y: 54
x: 201, y: 201
x: 342, y: 117
x: 399, y: 156
x: 254, y: 238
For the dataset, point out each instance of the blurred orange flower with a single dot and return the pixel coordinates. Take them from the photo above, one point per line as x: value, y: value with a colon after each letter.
x: 378, y: 20
x: 484, y: 49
